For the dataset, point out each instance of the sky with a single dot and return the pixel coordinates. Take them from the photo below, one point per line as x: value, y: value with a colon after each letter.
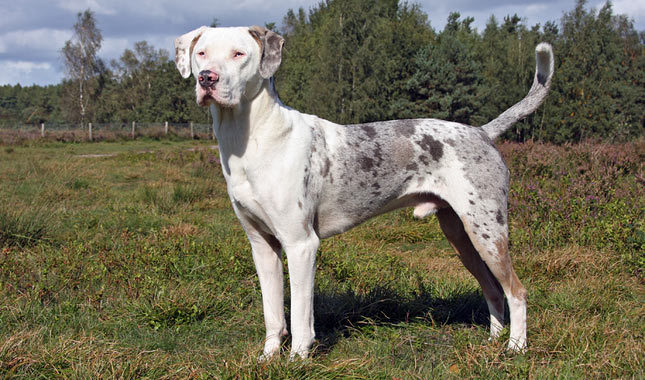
x: 32, y: 32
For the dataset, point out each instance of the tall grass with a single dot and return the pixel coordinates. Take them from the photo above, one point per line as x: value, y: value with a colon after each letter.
x: 23, y: 227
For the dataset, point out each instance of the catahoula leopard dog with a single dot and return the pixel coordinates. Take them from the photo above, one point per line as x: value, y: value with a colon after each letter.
x: 294, y: 178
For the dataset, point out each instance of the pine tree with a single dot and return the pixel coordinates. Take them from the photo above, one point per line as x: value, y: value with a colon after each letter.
x: 347, y: 59
x: 446, y: 79
x: 598, y: 93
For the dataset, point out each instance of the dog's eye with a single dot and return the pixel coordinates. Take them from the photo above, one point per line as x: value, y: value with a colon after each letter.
x: 238, y: 54
x: 201, y: 53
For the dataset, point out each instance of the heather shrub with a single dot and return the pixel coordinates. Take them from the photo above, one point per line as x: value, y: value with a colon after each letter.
x: 587, y: 194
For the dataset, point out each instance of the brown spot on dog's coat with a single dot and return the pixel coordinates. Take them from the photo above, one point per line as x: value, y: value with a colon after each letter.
x: 406, y: 128
x: 429, y: 144
x: 325, y: 169
x: 509, y: 278
x: 369, y: 131
x: 402, y: 152
x: 500, y: 218
x: 366, y: 163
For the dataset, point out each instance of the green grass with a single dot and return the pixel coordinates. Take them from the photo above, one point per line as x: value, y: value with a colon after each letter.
x: 133, y: 265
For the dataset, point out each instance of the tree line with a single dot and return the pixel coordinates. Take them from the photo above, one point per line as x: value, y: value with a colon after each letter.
x: 354, y: 61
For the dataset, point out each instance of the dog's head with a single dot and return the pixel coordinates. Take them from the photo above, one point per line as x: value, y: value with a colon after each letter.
x: 229, y: 64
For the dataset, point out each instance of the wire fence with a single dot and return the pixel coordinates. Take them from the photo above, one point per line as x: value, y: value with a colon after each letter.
x: 104, y: 131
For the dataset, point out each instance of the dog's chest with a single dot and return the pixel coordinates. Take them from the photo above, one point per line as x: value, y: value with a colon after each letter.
x: 263, y: 186
x: 240, y: 179
x: 245, y: 195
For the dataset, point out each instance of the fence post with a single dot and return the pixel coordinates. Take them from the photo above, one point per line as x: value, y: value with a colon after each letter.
x: 90, y: 127
x: 42, y: 129
x: 192, y: 133
x: 133, y: 129
x: 166, y: 128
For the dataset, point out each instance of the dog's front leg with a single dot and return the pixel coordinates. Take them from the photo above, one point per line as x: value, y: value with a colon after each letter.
x: 301, y: 258
x: 267, y: 256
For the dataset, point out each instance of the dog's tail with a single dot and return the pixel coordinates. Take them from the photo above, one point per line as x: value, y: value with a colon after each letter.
x: 535, y: 97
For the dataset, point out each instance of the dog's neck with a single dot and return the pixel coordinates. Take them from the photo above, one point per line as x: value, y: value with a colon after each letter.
x: 254, y: 123
x: 251, y: 115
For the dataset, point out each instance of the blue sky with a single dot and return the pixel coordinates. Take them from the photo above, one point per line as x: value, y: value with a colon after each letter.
x: 32, y: 32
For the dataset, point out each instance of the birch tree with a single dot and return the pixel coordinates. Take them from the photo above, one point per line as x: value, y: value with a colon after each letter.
x: 81, y: 64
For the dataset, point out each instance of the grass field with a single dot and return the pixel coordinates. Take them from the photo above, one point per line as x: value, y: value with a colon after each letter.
x: 133, y: 265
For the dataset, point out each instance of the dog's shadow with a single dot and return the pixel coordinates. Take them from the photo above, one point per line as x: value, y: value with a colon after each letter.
x: 337, y: 314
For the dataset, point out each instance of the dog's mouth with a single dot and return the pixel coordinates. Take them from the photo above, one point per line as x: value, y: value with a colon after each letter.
x: 205, y: 97
x: 211, y: 95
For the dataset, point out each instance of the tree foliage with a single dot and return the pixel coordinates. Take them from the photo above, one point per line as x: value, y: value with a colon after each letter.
x: 446, y: 79
x: 355, y: 61
x: 347, y: 59
x: 29, y: 105
x: 598, y: 92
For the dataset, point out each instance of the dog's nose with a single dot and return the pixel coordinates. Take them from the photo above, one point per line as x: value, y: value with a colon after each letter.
x: 207, y: 78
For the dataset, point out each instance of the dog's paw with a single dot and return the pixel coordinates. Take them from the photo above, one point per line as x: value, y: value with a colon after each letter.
x: 265, y: 357
x: 298, y: 355
x: 517, y: 346
x: 271, y: 349
x: 268, y: 355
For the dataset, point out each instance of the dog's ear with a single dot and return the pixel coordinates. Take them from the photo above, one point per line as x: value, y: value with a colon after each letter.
x: 271, y: 48
x: 184, y: 48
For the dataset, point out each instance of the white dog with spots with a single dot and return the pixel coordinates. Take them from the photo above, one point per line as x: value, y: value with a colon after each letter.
x: 294, y: 179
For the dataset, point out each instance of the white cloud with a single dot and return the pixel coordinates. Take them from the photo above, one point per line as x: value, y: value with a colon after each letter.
x: 112, y: 48
x: 532, y: 12
x: 81, y: 5
x: 269, y: 5
x: 27, y: 73
x: 37, y: 41
x: 533, y: 9
x: 633, y: 9
x: 165, y: 42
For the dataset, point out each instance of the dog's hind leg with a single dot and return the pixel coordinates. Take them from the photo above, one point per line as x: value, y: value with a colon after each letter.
x: 453, y: 228
x: 491, y: 245
x: 498, y: 261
